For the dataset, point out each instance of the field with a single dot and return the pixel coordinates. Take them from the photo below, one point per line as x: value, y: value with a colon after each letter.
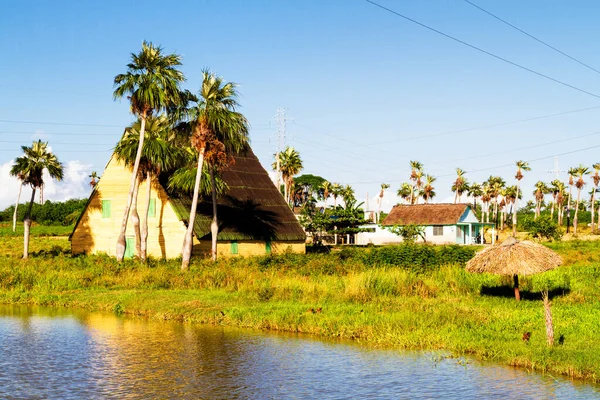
x: 349, y: 294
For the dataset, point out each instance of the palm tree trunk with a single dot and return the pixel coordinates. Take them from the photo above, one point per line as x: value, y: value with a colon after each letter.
x: 135, y: 219
x: 16, y: 207
x: 186, y: 252
x: 552, y: 210
x: 136, y: 165
x: 592, y: 214
x: 214, y: 225
x: 514, y: 214
x: 42, y: 195
x: 516, y: 287
x: 379, y: 210
x: 548, y: 317
x: 576, y: 212
x: 144, y: 229
x: 27, y: 226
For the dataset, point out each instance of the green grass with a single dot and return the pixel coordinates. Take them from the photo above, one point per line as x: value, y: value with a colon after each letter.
x: 36, y: 230
x: 335, y: 295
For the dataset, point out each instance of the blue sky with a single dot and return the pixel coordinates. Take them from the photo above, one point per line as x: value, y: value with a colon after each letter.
x: 366, y: 91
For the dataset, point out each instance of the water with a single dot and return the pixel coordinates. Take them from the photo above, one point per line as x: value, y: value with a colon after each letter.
x: 55, y: 354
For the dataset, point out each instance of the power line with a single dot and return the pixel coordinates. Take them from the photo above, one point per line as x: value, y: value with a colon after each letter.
x: 497, y: 166
x: 488, y: 126
x: 483, y: 51
x: 532, y: 37
x: 58, y: 133
x: 515, y: 150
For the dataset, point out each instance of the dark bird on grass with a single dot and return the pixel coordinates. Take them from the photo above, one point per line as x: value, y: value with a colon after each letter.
x: 561, y: 339
x: 526, y: 336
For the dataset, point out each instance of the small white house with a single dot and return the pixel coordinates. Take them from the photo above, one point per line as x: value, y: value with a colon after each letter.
x: 443, y: 223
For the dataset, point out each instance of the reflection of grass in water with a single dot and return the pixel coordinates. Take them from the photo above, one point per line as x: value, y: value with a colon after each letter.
x: 330, y: 295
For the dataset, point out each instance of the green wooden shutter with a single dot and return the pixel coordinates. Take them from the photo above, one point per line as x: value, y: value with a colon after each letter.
x: 268, y: 246
x: 234, y: 247
x: 129, y: 247
x: 152, y: 208
x: 105, y: 208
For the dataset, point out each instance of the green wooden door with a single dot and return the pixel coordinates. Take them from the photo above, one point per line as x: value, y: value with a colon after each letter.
x: 129, y: 247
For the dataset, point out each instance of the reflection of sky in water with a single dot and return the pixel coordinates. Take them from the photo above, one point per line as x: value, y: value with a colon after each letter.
x: 47, y: 353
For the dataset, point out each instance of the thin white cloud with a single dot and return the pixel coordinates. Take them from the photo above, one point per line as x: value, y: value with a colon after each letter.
x: 75, y: 184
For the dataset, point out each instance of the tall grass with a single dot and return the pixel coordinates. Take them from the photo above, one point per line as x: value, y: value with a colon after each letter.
x: 358, y: 294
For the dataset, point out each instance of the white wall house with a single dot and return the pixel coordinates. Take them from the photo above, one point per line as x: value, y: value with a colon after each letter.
x: 443, y: 223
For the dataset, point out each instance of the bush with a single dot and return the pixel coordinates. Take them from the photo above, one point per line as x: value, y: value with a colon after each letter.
x: 543, y: 228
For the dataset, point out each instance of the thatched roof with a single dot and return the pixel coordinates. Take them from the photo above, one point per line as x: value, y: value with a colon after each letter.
x: 252, y: 208
x: 425, y: 214
x: 514, y: 257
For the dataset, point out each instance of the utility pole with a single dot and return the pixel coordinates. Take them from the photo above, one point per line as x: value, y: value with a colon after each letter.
x: 556, y: 171
x: 280, y: 119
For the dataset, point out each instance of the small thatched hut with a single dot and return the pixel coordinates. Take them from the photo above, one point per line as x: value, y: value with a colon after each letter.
x: 515, y: 258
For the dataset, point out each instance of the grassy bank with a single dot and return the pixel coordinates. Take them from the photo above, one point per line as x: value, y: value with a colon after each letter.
x: 350, y: 294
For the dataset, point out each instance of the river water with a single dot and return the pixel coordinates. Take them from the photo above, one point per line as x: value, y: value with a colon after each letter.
x: 58, y: 354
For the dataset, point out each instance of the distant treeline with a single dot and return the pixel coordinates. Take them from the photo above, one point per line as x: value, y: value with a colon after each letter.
x: 50, y: 213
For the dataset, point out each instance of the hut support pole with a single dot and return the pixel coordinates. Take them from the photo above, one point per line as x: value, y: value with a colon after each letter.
x: 517, y: 294
x: 548, y: 315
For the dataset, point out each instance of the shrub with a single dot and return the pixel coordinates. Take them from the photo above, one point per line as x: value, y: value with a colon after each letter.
x: 543, y: 228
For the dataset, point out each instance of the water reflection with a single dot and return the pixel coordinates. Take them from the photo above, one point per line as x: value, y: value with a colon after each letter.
x: 48, y: 353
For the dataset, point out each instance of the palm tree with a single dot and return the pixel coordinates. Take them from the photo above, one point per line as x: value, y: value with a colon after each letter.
x: 383, y: 187
x: 211, y: 119
x: 415, y: 175
x: 572, y: 173
x: 21, y: 178
x: 336, y: 191
x: 151, y: 84
x: 428, y: 189
x: 475, y: 191
x: 325, y: 191
x: 161, y: 152
x: 460, y: 185
x: 94, y: 180
x: 290, y: 164
x: 485, y: 199
x: 596, y: 179
x: 31, y: 167
x: 405, y: 192
x: 540, y: 190
x: 496, y: 184
x: 558, y: 191
x: 348, y: 195
x: 579, y: 172
x: 521, y: 166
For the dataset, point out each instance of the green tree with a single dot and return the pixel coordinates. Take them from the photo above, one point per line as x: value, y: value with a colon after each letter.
x: 416, y: 174
x: 579, y: 173
x: 151, y: 84
x: 381, y: 192
x: 325, y: 191
x: 21, y: 178
x: 161, y: 152
x: 409, y: 233
x: 290, y: 164
x: 405, y: 192
x: 521, y: 166
x: 30, y: 167
x: 540, y: 190
x: 210, y: 121
x: 95, y: 178
x: 475, y: 191
x: 460, y: 185
x: 596, y: 179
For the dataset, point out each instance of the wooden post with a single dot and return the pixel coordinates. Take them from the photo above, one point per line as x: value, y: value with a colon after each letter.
x: 517, y: 294
x: 548, y: 315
